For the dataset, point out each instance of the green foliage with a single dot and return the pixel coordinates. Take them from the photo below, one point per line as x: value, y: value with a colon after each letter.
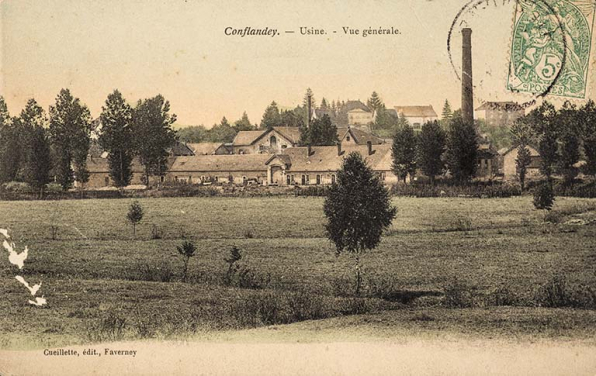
x: 116, y: 138
x: 542, y: 120
x: 70, y: 133
x: 294, y: 118
x: 358, y: 209
x: 430, y: 149
x: 447, y: 112
x: 152, y: 127
x: 385, y: 120
x: 404, y: 152
x: 321, y: 133
x: 522, y: 162
x: 222, y: 132
x: 499, y: 136
x: 12, y: 139
x: 193, y: 134
x: 135, y: 214
x: 462, y: 149
x: 187, y: 250
x: 243, y: 124
x: 271, y: 117
x: 375, y: 103
x: 544, y: 196
x: 569, y: 141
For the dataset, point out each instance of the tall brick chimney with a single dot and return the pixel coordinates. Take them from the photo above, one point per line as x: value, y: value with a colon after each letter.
x: 467, y: 89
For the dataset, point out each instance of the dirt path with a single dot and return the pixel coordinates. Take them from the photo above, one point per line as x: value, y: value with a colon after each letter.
x: 406, y: 356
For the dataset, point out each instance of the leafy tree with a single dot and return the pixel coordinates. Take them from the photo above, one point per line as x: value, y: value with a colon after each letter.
x: 193, y: 134
x: 385, y: 120
x: 569, y: 141
x: 37, y: 161
x: 153, y: 134
x: 187, y: 250
x: 321, y: 133
x: 135, y: 215
x: 544, y: 196
x: 588, y: 119
x: 521, y: 134
x: 70, y: 134
x: 403, y: 152
x: 462, y: 150
x: 542, y: 120
x: 243, y: 124
x: 358, y: 209
x: 11, y: 144
x: 430, y: 149
x: 116, y: 137
x: 271, y: 117
x: 522, y: 162
x: 402, y: 121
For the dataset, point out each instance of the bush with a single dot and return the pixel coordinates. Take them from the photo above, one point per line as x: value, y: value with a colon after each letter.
x: 54, y: 188
x: 543, y: 196
x: 557, y: 293
x: 477, y: 190
x: 458, y: 295
x: 111, y: 327
x: 151, y: 273
x: 17, y: 187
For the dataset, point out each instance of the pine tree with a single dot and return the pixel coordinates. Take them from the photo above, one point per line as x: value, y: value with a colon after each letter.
x: 153, y: 134
x: 447, y: 112
x: 374, y: 103
x: 37, y: 161
x: 116, y: 137
x: 322, y: 132
x: 243, y: 124
x: 403, y: 152
x: 271, y: 117
x: 430, y: 149
x: 70, y: 134
x: 10, y: 145
x: 358, y: 209
x: 462, y: 150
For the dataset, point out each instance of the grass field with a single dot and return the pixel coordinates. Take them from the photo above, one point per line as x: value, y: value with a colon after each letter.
x: 445, y: 265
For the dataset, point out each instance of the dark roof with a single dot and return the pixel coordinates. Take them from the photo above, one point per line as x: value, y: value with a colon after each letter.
x: 292, y: 134
x: 100, y: 165
x: 354, y: 105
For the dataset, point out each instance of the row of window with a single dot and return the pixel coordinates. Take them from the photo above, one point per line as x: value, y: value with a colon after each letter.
x: 305, y: 179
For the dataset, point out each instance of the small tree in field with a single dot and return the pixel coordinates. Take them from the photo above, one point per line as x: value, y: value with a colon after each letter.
x: 135, y: 215
x: 358, y: 209
x: 543, y: 196
x: 187, y: 250
x: 233, y: 257
x: 522, y: 162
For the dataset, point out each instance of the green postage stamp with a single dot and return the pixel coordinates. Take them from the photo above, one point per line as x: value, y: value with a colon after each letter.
x: 551, y: 47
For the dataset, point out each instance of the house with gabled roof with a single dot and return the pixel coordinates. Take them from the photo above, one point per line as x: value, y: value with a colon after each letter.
x: 208, y: 148
x: 318, y: 165
x: 500, y: 114
x: 226, y: 169
x: 268, y: 141
x: 354, y: 136
x: 508, y: 163
x: 417, y: 115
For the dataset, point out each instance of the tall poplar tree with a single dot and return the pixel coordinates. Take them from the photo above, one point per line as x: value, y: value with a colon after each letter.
x: 153, y: 134
x: 462, y: 150
x: 70, y: 132
x: 430, y: 149
x: 116, y: 137
x: 404, y: 152
x: 37, y: 158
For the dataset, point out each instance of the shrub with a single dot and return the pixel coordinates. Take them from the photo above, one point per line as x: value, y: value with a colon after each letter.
x: 233, y: 257
x: 503, y: 296
x: 458, y: 295
x: 110, y: 327
x: 152, y: 273
x: 156, y: 233
x: 557, y: 292
x: 17, y: 187
x: 248, y: 279
x: 543, y: 196
x: 54, y: 188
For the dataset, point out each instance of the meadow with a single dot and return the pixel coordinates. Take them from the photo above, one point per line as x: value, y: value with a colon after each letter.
x: 469, y: 266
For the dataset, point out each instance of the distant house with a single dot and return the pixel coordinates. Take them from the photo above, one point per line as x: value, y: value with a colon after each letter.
x: 359, y: 116
x: 232, y: 169
x: 268, y: 141
x: 208, y: 148
x: 353, y: 136
x: 99, y: 173
x: 499, y: 114
x: 179, y: 149
x: 488, y: 165
x: 318, y: 165
x: 417, y: 115
x: 508, y: 164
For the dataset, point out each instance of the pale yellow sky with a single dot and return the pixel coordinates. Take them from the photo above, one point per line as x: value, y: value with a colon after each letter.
x: 178, y: 48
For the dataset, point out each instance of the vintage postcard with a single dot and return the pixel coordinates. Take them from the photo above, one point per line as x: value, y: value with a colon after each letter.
x: 358, y: 187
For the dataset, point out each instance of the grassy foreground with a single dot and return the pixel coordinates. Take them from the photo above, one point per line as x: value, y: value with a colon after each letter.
x: 445, y: 265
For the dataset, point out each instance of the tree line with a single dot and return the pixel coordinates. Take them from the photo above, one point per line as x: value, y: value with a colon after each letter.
x: 38, y: 149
